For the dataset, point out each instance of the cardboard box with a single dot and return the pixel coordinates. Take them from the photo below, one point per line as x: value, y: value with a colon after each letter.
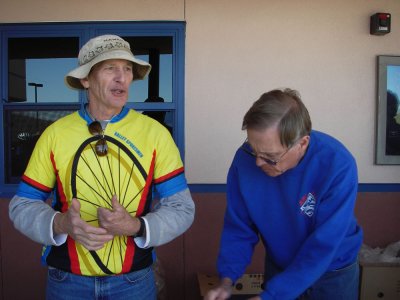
x: 248, y: 285
x: 380, y: 281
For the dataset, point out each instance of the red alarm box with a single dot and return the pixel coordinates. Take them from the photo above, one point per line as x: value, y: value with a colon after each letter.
x: 380, y: 23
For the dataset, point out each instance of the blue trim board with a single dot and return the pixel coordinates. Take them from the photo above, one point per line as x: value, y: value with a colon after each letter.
x: 362, y: 187
x: 379, y: 187
x: 207, y: 188
x: 10, y: 190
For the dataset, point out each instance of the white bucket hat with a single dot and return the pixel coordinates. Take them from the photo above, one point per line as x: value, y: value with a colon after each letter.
x: 102, y: 48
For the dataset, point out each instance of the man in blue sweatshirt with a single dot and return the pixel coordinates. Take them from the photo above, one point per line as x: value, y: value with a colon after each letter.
x: 295, y: 189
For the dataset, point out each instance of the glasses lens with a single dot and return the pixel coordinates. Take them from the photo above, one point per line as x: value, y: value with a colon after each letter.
x: 252, y: 153
x: 101, y: 147
x: 95, y: 128
x: 270, y: 162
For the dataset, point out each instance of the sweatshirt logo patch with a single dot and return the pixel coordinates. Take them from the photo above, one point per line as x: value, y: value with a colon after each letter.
x: 307, y: 205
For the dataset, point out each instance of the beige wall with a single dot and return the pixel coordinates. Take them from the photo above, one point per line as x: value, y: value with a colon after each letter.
x: 90, y: 10
x: 236, y: 50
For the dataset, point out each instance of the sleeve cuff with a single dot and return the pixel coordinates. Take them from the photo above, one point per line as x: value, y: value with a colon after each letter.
x: 58, y: 239
x: 143, y: 241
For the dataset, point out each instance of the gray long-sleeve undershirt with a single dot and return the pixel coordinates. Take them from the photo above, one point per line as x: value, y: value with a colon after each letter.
x: 169, y: 218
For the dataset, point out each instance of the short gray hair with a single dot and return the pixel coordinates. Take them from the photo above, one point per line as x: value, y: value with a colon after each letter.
x: 283, y: 108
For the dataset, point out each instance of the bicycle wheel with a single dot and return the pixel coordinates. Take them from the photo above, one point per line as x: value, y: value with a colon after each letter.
x: 94, y: 181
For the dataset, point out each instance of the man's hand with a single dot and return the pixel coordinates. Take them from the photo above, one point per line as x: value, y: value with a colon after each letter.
x: 117, y: 220
x: 70, y: 222
x: 221, y: 292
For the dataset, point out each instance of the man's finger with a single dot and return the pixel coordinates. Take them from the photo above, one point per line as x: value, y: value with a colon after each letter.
x: 75, y: 206
x: 115, y: 203
x: 98, y: 231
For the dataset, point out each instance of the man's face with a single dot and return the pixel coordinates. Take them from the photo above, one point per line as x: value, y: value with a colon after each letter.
x: 108, y: 83
x: 271, y: 156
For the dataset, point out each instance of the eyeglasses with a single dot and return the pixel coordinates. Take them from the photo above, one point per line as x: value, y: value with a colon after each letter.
x: 101, y: 146
x: 271, y: 162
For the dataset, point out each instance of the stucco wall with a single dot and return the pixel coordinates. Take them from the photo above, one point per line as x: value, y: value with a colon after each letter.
x: 236, y: 50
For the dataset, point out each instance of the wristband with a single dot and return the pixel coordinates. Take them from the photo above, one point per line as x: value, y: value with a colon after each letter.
x: 141, y: 228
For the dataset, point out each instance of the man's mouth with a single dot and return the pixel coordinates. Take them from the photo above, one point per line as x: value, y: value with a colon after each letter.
x: 117, y: 91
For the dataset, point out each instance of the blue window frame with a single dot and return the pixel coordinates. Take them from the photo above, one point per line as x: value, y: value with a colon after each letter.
x: 34, y: 58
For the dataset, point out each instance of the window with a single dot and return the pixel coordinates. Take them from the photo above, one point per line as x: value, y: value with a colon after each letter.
x: 36, y: 57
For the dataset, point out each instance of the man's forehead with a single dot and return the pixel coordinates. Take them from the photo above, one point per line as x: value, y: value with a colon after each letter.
x: 265, y: 141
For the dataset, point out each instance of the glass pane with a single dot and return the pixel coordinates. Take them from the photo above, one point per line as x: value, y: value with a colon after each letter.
x: 37, y: 66
x: 393, y: 111
x: 22, y: 131
x: 166, y: 77
x: 157, y: 87
x: 139, y: 89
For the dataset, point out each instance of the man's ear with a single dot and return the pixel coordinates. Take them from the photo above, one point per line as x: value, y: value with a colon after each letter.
x: 85, y: 82
x: 304, y: 141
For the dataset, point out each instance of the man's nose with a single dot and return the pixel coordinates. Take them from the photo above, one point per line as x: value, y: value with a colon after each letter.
x: 259, y: 161
x: 120, y: 75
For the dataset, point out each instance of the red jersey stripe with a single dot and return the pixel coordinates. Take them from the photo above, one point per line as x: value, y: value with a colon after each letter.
x: 169, y: 175
x: 36, y: 184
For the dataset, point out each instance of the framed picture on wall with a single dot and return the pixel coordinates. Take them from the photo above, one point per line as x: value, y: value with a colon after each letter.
x: 388, y: 111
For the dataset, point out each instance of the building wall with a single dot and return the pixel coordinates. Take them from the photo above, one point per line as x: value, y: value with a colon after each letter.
x: 236, y: 50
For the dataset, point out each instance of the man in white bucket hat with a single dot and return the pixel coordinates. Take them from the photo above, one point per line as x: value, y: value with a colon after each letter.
x: 102, y: 164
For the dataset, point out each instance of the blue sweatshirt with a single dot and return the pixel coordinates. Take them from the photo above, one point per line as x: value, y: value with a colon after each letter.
x: 305, y: 217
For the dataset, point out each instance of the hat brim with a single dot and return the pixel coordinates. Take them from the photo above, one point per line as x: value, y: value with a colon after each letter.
x: 140, y: 68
